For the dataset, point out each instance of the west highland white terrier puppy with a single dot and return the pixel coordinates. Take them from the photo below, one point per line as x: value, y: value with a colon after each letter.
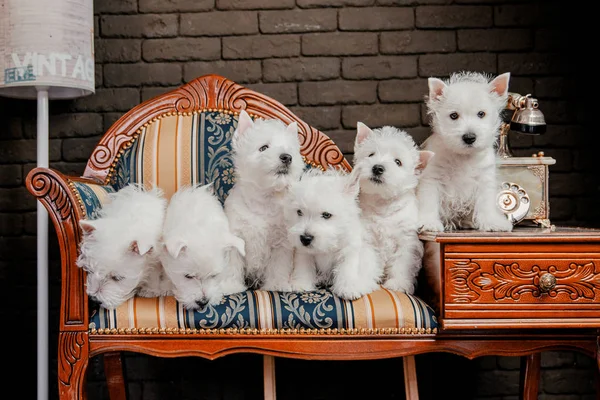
x: 325, y: 227
x: 388, y: 164
x: 458, y: 189
x: 197, y: 242
x: 267, y: 160
x: 119, y: 248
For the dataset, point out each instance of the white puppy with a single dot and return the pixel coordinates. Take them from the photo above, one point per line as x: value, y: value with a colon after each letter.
x: 325, y: 227
x: 458, y: 189
x: 267, y: 160
x: 197, y: 242
x: 119, y: 248
x: 388, y: 164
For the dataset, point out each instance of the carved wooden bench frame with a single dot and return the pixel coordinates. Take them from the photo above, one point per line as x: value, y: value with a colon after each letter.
x: 77, y: 344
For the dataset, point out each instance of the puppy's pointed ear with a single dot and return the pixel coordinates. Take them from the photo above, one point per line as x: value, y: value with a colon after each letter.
x: 292, y: 128
x: 237, y: 243
x: 244, y: 123
x: 424, y: 157
x: 174, y: 248
x: 436, y: 88
x: 362, y: 133
x: 140, y: 247
x: 500, y: 84
x: 87, y: 226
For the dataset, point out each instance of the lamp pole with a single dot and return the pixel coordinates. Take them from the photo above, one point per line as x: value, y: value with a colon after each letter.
x: 42, y: 248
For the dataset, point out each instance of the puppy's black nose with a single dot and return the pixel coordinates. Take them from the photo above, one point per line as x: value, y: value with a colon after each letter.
x: 285, y: 158
x: 202, y: 302
x: 306, y: 239
x: 378, y: 169
x: 469, y: 138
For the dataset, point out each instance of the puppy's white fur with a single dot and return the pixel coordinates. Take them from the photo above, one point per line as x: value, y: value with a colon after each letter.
x: 388, y: 164
x: 119, y: 248
x: 323, y: 206
x: 197, y: 242
x: 254, y: 206
x: 458, y: 189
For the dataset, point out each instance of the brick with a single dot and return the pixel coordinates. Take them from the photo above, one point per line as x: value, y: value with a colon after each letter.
x: 411, y: 2
x: 254, y: 4
x: 561, y: 208
x: 98, y: 75
x: 550, y: 40
x: 117, y: 50
x: 555, y: 112
x: 68, y: 125
x: 263, y: 46
x: 11, y: 224
x: 142, y: 25
x: 237, y: 71
x: 11, y: 175
x: 121, y: 99
x: 334, y: 3
x: 509, y: 363
x: 19, y: 248
x: 566, y: 184
x: 494, y: 39
x: 402, y: 90
x: 181, y: 49
x: 418, y: 41
x: 71, y: 168
x: 339, y: 44
x: 586, y: 209
x: 161, y: 6
x: 13, y: 127
x: 337, y: 92
x: 116, y: 75
x: 219, y: 23
x: 561, y: 136
x: 549, y: 87
x: 109, y: 118
x: 556, y: 359
x: 584, y: 160
x: 16, y: 199
x: 486, y: 379
x: 376, y: 115
x: 567, y: 381
x: 115, y: 6
x: 78, y: 149
x: 531, y: 63
x: 520, y: 15
x: 298, y: 21
x: 321, y: 118
x: 344, y: 139
x: 285, y: 93
x: 521, y: 85
x: 18, y: 151
x: 151, y: 92
x: 301, y: 69
x: 376, y: 19
x: 418, y: 133
x: 454, y: 16
x: 380, y: 67
x: 444, y: 64
x: 425, y: 117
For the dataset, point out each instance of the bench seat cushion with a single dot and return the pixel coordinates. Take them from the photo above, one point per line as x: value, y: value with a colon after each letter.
x: 382, y: 311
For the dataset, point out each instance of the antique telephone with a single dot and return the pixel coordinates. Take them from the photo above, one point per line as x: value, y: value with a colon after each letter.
x: 523, y: 195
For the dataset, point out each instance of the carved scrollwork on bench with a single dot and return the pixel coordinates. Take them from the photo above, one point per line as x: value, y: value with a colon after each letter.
x: 73, y: 346
x: 469, y: 281
x: 46, y: 186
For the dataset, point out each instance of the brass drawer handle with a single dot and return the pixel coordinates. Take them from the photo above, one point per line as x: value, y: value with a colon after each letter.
x: 547, y: 282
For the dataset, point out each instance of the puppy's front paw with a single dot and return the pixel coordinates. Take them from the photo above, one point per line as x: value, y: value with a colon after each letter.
x: 303, y: 287
x: 399, y: 285
x: 233, y: 287
x: 277, y: 287
x: 495, y: 224
x: 431, y: 225
x: 353, y: 292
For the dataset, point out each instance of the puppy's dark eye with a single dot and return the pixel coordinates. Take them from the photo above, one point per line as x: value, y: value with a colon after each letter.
x: 263, y: 148
x: 189, y: 276
x: 117, y: 278
x: 454, y: 115
x: 398, y: 162
x: 326, y: 215
x: 300, y: 213
x: 481, y: 114
x: 371, y: 155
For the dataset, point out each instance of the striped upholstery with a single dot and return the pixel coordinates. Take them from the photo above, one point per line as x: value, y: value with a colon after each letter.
x: 178, y: 150
x: 90, y: 197
x: 320, y: 309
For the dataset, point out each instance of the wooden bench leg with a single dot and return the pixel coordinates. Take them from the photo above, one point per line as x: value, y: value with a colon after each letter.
x: 410, y: 378
x: 113, y: 370
x: 269, y: 377
x: 530, y: 376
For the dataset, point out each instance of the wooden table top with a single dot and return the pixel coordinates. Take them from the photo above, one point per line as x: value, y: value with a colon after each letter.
x: 519, y: 234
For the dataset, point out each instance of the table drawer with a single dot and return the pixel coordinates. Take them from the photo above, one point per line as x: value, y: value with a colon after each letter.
x: 509, y: 287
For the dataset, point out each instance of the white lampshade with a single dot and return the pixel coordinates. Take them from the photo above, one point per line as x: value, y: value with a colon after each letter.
x: 46, y: 43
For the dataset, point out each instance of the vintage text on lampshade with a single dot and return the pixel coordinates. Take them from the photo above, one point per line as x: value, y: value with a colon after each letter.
x: 46, y: 43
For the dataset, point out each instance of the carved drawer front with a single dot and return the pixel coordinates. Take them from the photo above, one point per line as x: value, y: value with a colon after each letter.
x: 531, y: 290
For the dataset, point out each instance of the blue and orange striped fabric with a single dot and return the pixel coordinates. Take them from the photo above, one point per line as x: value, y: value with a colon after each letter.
x: 273, y: 310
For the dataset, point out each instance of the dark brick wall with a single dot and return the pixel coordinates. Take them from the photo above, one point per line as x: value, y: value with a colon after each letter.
x: 333, y: 62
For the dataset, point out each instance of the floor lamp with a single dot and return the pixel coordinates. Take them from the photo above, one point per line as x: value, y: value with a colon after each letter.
x: 46, y: 52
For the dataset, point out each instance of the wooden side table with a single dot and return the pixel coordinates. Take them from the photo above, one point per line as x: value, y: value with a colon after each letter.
x: 517, y: 293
